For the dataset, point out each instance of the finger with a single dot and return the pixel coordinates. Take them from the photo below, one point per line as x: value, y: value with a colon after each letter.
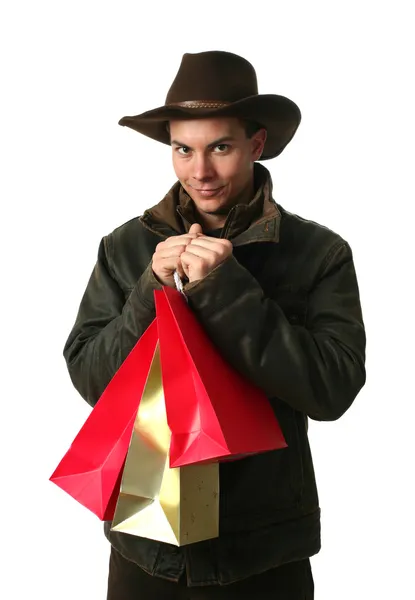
x: 196, y: 228
x: 207, y: 241
x: 190, y: 260
x: 202, y: 252
x: 170, y: 251
x: 167, y: 264
x: 165, y: 267
x: 177, y: 240
x: 212, y: 245
x: 194, y: 266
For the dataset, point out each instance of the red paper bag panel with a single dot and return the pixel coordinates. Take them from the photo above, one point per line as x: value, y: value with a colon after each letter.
x: 91, y: 469
x: 213, y: 412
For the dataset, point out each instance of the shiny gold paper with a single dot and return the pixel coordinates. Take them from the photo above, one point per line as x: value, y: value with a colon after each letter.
x: 178, y: 506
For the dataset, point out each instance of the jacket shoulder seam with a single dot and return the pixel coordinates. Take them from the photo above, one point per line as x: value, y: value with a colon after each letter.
x: 333, y: 250
x: 108, y: 247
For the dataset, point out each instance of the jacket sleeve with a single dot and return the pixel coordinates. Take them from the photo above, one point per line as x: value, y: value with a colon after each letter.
x: 107, y: 327
x: 318, y: 368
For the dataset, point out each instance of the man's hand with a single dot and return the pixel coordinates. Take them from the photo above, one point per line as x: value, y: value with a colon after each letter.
x: 203, y: 254
x: 167, y: 257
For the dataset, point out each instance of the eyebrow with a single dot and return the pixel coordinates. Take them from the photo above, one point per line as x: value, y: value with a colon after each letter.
x: 217, y: 142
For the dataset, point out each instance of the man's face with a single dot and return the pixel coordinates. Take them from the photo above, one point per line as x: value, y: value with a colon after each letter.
x: 213, y: 159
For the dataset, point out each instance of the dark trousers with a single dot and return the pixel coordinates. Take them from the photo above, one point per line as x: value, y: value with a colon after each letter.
x: 127, y: 581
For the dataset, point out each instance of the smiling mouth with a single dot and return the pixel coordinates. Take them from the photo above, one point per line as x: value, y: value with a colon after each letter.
x: 209, y: 191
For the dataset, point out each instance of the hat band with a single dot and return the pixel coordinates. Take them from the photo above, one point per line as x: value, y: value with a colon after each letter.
x: 200, y: 104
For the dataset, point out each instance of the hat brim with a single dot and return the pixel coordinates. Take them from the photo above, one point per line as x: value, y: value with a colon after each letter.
x: 279, y: 115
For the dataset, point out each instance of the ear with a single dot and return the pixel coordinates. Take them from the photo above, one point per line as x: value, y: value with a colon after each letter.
x: 258, y: 141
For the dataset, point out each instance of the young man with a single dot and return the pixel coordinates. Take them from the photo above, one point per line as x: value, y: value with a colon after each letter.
x: 277, y: 295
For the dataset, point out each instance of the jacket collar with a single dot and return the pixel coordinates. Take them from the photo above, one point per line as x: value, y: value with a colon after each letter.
x: 258, y: 221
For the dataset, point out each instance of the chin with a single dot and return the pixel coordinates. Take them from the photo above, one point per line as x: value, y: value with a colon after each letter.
x: 220, y: 211
x: 213, y: 206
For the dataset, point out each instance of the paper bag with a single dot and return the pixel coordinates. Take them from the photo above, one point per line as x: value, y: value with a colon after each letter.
x: 213, y: 412
x: 174, y: 505
x: 91, y: 469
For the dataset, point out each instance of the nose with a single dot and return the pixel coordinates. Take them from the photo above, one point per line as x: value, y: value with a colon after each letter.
x: 202, y: 167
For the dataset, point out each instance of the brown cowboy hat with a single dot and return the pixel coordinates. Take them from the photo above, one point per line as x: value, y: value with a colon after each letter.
x: 220, y: 84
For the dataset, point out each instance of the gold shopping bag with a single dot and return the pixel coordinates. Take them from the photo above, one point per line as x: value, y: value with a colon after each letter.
x: 178, y: 506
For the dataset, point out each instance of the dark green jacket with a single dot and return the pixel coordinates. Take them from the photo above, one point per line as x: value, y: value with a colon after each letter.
x: 284, y: 310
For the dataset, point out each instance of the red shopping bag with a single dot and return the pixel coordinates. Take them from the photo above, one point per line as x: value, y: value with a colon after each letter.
x: 91, y: 469
x: 213, y: 412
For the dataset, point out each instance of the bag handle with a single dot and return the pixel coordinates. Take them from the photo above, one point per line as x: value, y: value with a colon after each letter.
x: 179, y: 285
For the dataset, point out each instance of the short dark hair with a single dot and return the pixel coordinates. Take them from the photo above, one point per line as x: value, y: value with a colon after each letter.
x: 251, y: 127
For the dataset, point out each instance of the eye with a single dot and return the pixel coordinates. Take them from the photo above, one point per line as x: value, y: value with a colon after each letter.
x: 183, y: 150
x: 221, y: 148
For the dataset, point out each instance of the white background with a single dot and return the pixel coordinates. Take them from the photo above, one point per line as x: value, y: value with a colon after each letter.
x: 70, y: 174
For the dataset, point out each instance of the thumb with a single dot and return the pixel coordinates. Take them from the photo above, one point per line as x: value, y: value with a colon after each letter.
x: 196, y: 228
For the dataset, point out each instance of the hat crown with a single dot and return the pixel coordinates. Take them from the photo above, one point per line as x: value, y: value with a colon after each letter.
x: 213, y: 76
